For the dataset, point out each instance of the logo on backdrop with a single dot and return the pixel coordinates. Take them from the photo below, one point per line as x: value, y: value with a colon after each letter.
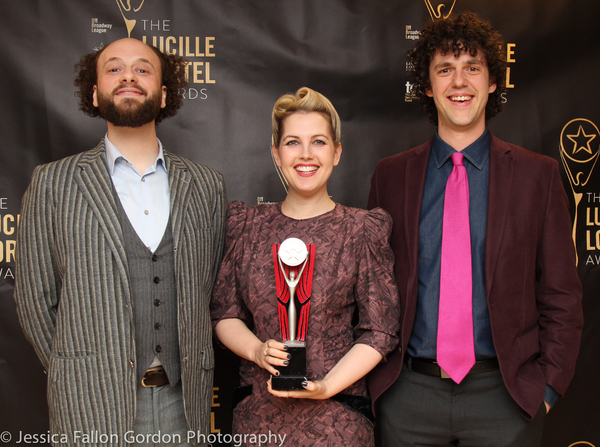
x: 510, y: 59
x: 125, y: 7
x: 8, y: 233
x: 579, y: 151
x: 440, y: 10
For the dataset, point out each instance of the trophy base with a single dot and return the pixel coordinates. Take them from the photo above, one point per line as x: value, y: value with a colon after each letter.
x: 287, y: 383
x: 291, y: 376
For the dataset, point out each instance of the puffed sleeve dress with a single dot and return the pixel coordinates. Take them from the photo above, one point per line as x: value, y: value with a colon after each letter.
x: 354, y: 300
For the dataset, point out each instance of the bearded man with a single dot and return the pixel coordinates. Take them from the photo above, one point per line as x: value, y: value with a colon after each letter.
x: 118, y: 249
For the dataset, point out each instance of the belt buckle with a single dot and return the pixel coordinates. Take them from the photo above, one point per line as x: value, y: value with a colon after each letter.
x: 144, y: 383
x: 443, y: 374
x: 149, y: 374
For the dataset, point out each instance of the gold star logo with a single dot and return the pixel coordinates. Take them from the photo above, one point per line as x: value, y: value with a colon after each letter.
x: 581, y: 141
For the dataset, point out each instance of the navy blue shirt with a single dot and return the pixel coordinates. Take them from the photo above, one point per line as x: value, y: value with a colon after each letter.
x: 423, y: 339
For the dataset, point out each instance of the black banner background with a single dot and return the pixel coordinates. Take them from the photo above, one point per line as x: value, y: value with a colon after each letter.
x: 248, y: 54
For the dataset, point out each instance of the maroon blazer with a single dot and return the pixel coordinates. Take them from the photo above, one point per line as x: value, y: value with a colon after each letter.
x: 533, y: 290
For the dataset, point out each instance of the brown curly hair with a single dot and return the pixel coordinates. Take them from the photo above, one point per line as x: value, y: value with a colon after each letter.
x: 173, y: 70
x: 465, y: 32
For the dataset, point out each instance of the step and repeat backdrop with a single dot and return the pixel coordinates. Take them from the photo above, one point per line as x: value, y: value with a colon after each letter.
x: 242, y: 56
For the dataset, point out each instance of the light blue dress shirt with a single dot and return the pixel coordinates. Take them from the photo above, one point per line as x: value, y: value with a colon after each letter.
x: 145, y: 197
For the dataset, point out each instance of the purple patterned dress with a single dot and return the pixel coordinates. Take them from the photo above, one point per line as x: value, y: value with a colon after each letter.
x: 354, y: 300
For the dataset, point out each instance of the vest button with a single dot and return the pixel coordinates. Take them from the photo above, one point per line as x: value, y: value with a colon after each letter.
x: 158, y: 348
x: 157, y: 326
x: 156, y: 280
x: 154, y: 258
x: 157, y: 302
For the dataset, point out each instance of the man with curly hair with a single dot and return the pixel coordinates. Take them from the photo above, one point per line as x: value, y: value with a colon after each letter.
x: 118, y: 249
x: 485, y: 263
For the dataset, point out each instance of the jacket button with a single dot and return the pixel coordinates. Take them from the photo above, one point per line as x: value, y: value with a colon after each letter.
x: 158, y: 348
x: 157, y: 326
x: 156, y: 280
x: 157, y: 302
x: 154, y: 258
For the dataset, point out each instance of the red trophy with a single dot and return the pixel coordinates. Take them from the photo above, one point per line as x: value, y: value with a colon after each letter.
x: 294, y: 263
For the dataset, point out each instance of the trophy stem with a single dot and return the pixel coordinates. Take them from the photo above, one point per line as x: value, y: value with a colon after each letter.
x: 292, y: 317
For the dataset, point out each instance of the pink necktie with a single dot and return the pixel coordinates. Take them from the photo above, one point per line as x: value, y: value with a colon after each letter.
x: 455, y: 346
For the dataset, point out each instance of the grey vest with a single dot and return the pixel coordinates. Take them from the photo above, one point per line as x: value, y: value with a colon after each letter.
x: 154, y: 293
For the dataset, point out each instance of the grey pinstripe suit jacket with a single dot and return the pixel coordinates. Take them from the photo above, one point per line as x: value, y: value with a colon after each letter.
x: 73, y: 295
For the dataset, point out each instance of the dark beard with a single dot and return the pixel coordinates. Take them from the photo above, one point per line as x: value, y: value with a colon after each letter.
x: 130, y: 113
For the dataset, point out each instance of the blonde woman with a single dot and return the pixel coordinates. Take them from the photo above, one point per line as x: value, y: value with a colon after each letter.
x: 354, y: 310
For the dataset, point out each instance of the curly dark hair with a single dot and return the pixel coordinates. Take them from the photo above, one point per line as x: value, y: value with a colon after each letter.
x: 173, y: 70
x: 465, y: 32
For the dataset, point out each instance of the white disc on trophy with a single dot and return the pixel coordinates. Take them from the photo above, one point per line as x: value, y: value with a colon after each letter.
x: 293, y: 252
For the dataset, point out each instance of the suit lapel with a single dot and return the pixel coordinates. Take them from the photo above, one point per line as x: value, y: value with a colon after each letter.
x: 179, y: 187
x: 416, y: 172
x: 499, y: 196
x: 94, y: 182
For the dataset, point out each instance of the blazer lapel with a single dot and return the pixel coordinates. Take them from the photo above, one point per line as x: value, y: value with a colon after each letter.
x: 94, y: 182
x: 416, y: 172
x: 499, y: 196
x: 179, y: 187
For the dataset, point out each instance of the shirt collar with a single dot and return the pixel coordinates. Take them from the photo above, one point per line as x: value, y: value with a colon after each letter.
x: 477, y: 152
x: 113, y: 155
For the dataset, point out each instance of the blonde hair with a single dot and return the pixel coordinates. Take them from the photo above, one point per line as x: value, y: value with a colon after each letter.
x: 304, y: 100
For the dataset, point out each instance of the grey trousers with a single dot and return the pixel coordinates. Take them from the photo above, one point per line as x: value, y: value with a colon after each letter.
x: 160, y: 418
x: 420, y: 410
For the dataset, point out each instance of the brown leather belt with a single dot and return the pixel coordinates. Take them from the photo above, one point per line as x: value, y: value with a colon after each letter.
x: 155, y: 377
x: 431, y: 368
